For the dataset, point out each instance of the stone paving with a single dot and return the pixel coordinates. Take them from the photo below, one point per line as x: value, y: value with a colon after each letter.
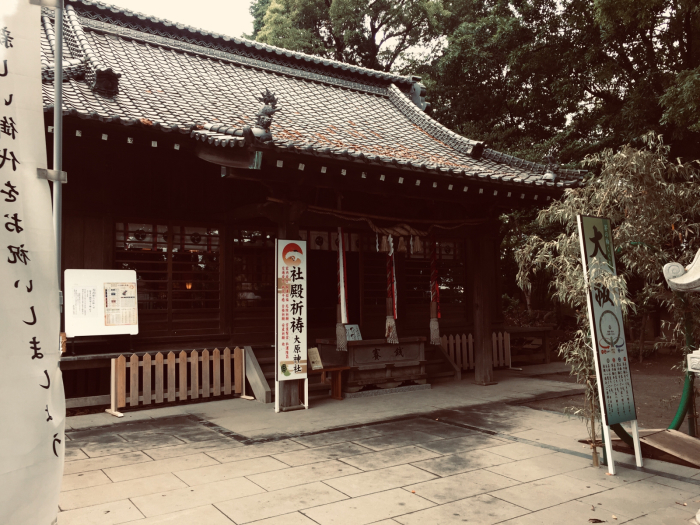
x: 459, y: 462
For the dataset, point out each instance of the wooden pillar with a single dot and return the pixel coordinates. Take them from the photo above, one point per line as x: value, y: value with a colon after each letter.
x: 288, y: 229
x: 483, y: 282
x: 497, y: 303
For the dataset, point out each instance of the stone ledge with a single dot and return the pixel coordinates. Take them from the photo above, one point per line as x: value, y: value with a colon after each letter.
x: 385, y: 391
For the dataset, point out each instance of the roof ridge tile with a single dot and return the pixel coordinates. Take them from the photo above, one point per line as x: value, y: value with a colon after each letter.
x: 432, y: 127
x: 100, y: 77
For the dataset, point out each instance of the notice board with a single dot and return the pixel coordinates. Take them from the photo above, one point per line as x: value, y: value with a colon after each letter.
x: 605, y: 316
x: 101, y: 302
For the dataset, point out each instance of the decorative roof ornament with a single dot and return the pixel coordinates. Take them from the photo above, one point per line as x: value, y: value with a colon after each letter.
x: 105, y: 81
x: 261, y: 130
x: 101, y: 78
x: 417, y: 94
x: 266, y: 112
x: 686, y: 280
x: 550, y: 173
x: 683, y: 279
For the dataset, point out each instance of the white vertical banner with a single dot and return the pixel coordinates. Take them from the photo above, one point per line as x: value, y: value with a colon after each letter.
x: 607, y: 332
x: 32, y: 403
x: 290, y: 310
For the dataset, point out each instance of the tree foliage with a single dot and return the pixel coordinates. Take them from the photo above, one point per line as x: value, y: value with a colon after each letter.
x: 527, y: 76
x: 375, y: 34
x: 654, y: 207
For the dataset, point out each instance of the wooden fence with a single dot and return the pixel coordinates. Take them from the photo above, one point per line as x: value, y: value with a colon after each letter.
x: 460, y: 348
x: 175, y: 377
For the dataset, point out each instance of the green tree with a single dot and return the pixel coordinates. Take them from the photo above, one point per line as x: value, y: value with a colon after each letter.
x: 528, y: 76
x: 258, y: 8
x: 375, y: 34
x: 654, y: 207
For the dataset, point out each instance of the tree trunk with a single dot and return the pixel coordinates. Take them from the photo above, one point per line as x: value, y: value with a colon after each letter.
x: 642, y: 334
x: 528, y: 300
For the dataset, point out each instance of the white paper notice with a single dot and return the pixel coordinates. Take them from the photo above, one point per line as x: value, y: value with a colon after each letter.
x: 120, y: 304
x: 101, y: 302
x: 32, y: 403
x: 85, y: 301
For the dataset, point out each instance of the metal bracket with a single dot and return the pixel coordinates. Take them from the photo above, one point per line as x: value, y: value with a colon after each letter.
x: 48, y: 3
x: 52, y: 175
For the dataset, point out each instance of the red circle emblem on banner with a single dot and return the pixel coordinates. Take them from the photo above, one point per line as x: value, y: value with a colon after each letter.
x: 292, y: 254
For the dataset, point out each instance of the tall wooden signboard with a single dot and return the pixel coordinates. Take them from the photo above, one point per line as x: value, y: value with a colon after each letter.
x: 607, y: 333
x: 32, y: 403
x: 290, y: 316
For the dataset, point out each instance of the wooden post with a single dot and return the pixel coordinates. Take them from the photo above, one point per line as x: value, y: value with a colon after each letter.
x: 134, y: 381
x: 113, y: 395
x: 227, y: 371
x: 194, y: 374
x: 147, y: 379
x: 171, y: 376
x: 593, y: 444
x: 183, y: 376
x: 482, y: 279
x: 205, y: 373
x: 121, y: 381
x: 216, y: 371
x: 238, y: 377
x: 470, y: 343
x: 159, y: 377
x: 288, y: 228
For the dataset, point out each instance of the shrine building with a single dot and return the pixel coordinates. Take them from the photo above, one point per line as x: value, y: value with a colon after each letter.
x: 188, y: 153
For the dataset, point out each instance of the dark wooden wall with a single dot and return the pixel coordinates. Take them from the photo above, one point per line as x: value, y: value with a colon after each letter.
x: 110, y: 180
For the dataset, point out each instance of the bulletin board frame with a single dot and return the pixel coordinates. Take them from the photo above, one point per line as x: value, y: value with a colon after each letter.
x: 100, y: 302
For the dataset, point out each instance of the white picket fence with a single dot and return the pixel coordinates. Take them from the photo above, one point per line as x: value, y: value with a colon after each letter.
x: 460, y: 348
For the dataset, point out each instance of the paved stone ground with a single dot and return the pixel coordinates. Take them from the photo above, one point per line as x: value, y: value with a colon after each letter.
x: 465, y: 460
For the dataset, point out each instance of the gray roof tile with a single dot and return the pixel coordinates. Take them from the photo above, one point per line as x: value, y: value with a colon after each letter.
x: 189, y: 88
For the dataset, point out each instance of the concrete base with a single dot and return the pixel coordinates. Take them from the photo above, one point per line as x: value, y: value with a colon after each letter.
x: 384, y: 391
x: 292, y: 409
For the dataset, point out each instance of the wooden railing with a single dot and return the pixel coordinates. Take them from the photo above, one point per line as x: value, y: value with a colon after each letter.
x: 175, y: 377
x: 460, y: 348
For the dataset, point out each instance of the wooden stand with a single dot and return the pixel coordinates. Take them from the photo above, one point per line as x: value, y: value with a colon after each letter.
x: 336, y: 379
x: 285, y: 405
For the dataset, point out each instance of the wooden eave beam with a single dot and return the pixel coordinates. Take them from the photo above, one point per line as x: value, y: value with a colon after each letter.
x: 380, y: 180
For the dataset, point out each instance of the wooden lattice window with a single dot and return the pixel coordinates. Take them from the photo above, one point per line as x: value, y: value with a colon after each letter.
x: 413, y: 274
x: 180, y: 275
x: 254, y: 268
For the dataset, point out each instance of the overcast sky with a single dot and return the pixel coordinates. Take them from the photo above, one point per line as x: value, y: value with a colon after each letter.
x: 229, y: 17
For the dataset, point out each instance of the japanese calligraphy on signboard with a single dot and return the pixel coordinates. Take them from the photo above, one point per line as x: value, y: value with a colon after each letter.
x: 101, y: 302
x: 32, y: 403
x: 605, y: 315
x: 290, y: 310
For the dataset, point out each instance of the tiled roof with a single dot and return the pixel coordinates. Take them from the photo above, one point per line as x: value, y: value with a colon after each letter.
x: 111, y: 14
x: 131, y: 75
